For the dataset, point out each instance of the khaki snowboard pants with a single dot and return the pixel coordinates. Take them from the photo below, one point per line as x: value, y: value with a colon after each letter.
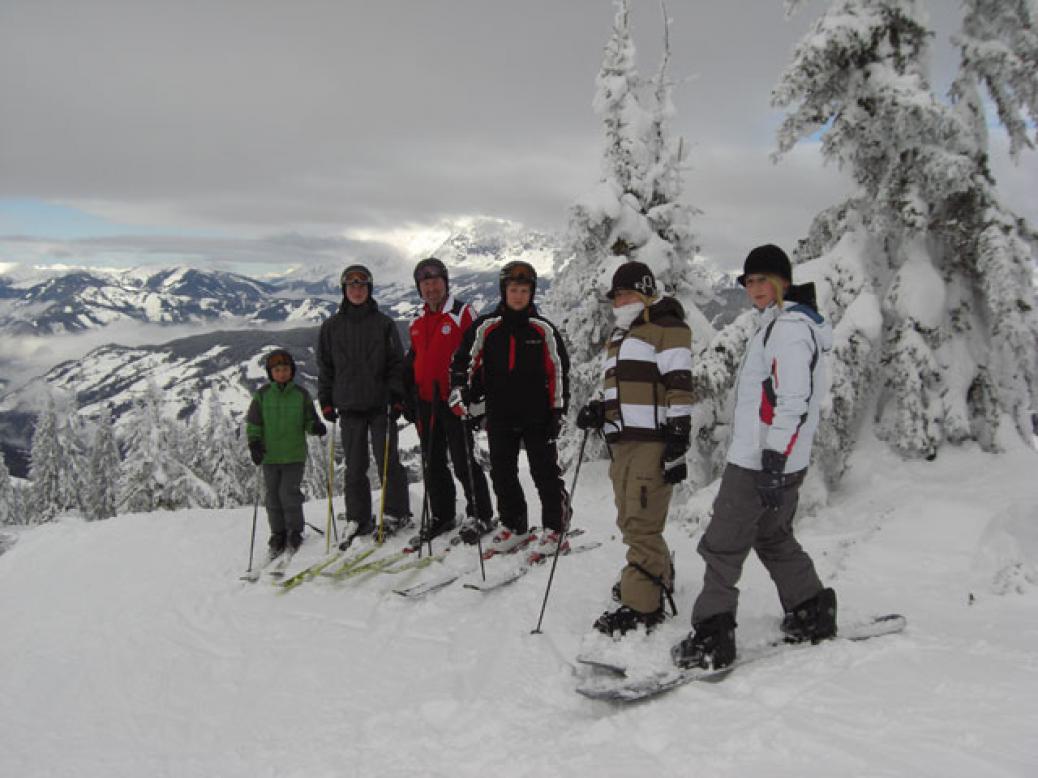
x: 642, y: 498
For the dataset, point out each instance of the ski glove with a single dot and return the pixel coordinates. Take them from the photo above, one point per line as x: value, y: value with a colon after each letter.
x: 770, y: 480
x: 256, y: 451
x: 459, y: 401
x: 329, y: 414
x: 555, y: 425
x: 592, y: 416
x: 396, y: 410
x: 319, y: 429
x: 676, y: 440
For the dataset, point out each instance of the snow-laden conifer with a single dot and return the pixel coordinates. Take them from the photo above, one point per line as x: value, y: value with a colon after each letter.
x: 9, y: 508
x: 924, y: 250
x: 45, y: 465
x: 633, y: 213
x: 101, y: 488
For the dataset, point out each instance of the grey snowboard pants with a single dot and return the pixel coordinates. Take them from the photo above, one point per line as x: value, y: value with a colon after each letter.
x: 284, y: 501
x: 356, y: 429
x: 741, y: 523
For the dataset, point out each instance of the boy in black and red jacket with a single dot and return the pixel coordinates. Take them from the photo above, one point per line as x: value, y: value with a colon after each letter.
x: 517, y: 358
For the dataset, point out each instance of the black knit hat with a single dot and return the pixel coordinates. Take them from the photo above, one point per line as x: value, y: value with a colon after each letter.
x: 356, y: 270
x: 278, y: 357
x: 633, y: 276
x: 430, y: 267
x: 768, y: 260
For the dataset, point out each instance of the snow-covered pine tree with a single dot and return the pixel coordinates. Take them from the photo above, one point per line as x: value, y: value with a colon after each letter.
x: 633, y: 213
x: 74, y: 438
x: 226, y: 466
x: 101, y: 495
x: 142, y: 478
x: 9, y: 508
x: 924, y: 273
x: 45, y: 467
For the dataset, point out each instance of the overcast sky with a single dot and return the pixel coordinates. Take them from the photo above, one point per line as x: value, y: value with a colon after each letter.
x: 258, y: 134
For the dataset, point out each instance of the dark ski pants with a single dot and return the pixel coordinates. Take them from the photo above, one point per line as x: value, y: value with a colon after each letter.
x: 357, y: 429
x: 284, y: 499
x: 442, y: 434
x: 739, y: 524
x: 543, y: 456
x: 642, y: 499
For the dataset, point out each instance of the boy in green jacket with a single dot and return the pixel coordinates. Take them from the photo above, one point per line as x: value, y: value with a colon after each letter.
x: 279, y: 416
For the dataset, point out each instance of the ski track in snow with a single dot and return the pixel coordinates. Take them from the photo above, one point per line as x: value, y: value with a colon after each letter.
x: 130, y: 648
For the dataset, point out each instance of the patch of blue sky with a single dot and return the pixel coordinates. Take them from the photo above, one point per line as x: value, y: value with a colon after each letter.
x: 35, y: 218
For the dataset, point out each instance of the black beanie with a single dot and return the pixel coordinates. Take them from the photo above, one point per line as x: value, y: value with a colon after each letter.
x: 633, y: 276
x: 769, y: 260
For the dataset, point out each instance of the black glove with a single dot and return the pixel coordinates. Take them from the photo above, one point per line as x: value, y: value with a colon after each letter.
x: 770, y: 480
x: 459, y: 401
x: 555, y: 425
x: 256, y: 451
x: 592, y: 416
x: 676, y: 440
x: 329, y: 414
x: 407, y: 410
x: 319, y: 429
x: 396, y: 410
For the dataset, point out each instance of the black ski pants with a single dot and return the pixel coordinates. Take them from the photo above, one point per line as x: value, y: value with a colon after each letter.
x: 357, y: 428
x: 284, y: 499
x: 543, y: 456
x: 443, y: 434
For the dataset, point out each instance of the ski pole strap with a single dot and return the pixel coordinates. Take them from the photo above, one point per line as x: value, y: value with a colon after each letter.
x: 658, y: 580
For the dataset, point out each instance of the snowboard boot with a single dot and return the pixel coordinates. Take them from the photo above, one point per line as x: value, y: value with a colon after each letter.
x: 473, y: 528
x: 624, y: 619
x: 813, y: 620
x: 710, y: 646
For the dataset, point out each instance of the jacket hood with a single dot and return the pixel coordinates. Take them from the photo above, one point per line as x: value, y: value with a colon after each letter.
x: 823, y: 331
x: 666, y: 306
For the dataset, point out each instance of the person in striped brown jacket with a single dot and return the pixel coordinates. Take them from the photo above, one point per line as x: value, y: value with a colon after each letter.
x: 646, y: 417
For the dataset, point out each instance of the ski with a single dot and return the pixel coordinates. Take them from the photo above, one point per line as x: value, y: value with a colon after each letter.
x: 446, y: 578
x: 525, y: 566
x: 254, y: 575
x: 616, y: 682
x: 309, y: 572
x: 277, y: 572
x: 348, y: 563
x: 430, y: 586
x: 360, y: 567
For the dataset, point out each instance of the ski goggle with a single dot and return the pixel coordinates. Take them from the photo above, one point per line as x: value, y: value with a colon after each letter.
x: 425, y: 273
x: 356, y: 278
x: 520, y: 274
x: 278, y: 360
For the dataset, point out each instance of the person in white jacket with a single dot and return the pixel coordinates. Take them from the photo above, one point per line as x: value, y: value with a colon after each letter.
x: 778, y: 396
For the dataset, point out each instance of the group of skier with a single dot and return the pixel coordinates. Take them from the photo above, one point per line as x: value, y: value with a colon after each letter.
x: 507, y: 371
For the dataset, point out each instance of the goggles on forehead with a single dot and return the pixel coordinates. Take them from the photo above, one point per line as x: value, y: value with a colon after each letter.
x: 279, y: 360
x: 520, y: 273
x: 425, y: 273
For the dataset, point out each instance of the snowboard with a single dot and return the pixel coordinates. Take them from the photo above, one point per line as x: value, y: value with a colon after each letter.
x: 617, y: 682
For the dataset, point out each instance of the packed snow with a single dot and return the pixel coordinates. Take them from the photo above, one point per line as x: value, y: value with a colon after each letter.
x: 130, y: 648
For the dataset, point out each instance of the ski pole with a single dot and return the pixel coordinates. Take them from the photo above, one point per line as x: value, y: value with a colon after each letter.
x: 318, y: 530
x: 331, y: 487
x: 426, y: 512
x: 385, y: 475
x: 562, y: 536
x: 469, y: 462
x: 255, y: 513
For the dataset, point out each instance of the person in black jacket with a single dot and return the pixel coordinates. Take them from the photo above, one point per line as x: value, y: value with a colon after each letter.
x: 516, y: 360
x: 360, y: 383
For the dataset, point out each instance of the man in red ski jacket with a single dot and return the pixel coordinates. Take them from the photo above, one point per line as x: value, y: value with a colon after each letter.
x: 435, y: 335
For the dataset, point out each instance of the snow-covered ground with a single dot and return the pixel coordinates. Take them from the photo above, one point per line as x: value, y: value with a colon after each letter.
x: 130, y: 648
